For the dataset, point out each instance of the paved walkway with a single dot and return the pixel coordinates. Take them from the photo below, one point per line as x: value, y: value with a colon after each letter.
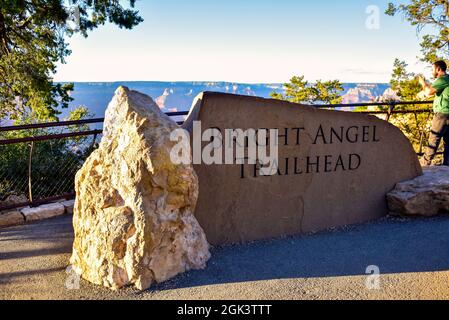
x: 412, y: 255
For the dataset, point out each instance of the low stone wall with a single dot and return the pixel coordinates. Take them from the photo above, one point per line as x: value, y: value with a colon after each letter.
x: 28, y: 214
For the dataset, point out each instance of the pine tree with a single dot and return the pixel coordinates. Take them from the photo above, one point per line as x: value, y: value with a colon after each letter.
x: 427, y: 13
x: 33, y: 37
x: 299, y: 90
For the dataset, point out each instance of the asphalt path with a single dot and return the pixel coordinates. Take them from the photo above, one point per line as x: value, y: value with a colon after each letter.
x: 411, y: 256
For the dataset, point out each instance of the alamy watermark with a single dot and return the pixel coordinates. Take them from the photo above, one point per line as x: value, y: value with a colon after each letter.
x: 229, y: 147
x: 372, y: 22
x: 72, y: 281
x: 372, y: 281
x: 74, y: 18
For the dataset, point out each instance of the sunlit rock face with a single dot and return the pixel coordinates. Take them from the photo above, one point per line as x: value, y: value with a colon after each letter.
x: 133, y: 214
x: 427, y: 195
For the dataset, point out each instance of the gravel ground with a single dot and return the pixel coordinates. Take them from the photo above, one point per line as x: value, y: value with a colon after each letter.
x: 411, y: 254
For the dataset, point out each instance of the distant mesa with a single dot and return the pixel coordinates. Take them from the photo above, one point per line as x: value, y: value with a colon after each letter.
x: 367, y: 92
x: 160, y: 101
x: 388, y: 95
x: 96, y: 96
x: 363, y: 93
x: 249, y: 92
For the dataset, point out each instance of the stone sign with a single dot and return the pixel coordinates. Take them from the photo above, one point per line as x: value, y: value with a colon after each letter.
x: 334, y: 168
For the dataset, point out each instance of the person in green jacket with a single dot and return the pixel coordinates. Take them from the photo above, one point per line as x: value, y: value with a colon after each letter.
x: 440, y: 122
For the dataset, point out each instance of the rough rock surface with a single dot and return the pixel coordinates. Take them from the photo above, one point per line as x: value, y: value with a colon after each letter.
x: 133, y: 214
x: 427, y: 195
x: 14, y: 199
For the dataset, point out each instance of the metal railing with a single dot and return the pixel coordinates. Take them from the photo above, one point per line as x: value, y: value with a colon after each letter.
x: 389, y: 111
x: 38, y: 162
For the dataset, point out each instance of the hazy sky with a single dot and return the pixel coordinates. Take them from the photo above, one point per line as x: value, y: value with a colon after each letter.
x: 246, y: 41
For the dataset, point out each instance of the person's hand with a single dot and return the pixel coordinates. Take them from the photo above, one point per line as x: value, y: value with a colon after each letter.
x: 422, y: 80
x: 422, y: 96
x: 425, y: 94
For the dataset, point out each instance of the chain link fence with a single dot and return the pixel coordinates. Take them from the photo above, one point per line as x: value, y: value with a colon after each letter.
x: 38, y: 163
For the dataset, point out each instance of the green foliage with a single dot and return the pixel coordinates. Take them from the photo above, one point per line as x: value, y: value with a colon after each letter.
x: 427, y: 13
x: 299, y: 90
x: 79, y: 113
x: 33, y: 39
x: 404, y: 83
x: 415, y: 126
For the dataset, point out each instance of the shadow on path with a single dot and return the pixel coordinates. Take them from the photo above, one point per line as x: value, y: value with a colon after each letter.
x: 394, y: 245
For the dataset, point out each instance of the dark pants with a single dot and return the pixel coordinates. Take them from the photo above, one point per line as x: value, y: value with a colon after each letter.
x: 440, y: 130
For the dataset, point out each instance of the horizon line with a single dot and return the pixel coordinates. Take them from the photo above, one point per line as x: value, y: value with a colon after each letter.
x: 208, y: 81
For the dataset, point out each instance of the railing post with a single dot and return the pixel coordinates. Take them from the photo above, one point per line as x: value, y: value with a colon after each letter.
x: 30, y: 160
x: 93, y: 142
x: 390, y: 111
x: 421, y: 138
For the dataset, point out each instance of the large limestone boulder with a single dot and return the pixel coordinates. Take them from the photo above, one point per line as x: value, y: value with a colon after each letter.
x: 133, y: 214
x: 427, y: 195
